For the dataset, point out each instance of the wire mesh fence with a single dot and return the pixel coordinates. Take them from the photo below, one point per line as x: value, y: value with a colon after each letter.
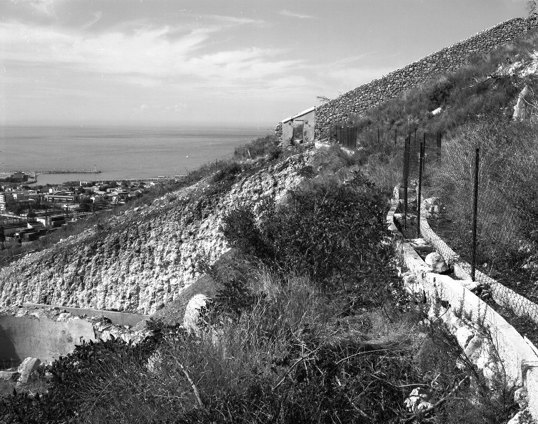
x: 506, y: 227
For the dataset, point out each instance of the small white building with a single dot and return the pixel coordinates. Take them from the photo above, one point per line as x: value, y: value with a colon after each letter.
x: 299, y: 128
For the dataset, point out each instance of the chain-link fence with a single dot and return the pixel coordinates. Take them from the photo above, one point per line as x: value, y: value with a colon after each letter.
x: 506, y: 230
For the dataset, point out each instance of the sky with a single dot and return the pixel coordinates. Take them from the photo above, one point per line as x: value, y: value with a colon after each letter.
x: 212, y: 62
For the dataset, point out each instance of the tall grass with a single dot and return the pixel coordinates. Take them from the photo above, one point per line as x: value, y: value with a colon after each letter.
x: 508, y: 193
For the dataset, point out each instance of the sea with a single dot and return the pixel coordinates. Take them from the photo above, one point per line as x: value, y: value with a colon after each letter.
x: 118, y: 152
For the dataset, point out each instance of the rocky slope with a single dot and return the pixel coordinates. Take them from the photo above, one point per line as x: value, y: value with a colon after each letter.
x: 393, y: 85
x: 142, y: 259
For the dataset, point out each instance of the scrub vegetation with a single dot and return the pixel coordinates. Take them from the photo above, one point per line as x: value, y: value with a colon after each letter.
x: 310, y: 324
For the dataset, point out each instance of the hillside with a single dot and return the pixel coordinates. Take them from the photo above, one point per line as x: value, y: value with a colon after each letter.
x: 309, y: 319
x: 141, y: 260
x: 394, y: 85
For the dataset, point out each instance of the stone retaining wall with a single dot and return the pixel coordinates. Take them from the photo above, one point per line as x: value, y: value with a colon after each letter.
x: 518, y: 358
x: 396, y: 83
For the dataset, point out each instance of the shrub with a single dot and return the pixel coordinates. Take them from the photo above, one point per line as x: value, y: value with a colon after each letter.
x: 264, y: 146
x: 332, y: 159
x: 87, y: 367
x: 326, y: 230
x: 227, y: 172
x: 385, y: 171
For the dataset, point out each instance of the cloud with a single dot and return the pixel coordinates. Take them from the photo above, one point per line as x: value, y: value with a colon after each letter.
x: 145, y: 56
x: 232, y: 20
x: 43, y: 7
x: 290, y: 14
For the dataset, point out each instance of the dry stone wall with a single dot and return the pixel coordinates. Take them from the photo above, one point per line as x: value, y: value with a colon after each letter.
x: 449, y: 59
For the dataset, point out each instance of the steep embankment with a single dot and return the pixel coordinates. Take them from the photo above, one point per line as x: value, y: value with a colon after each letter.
x: 142, y: 259
x: 396, y: 83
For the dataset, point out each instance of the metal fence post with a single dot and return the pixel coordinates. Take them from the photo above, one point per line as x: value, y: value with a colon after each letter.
x: 395, y: 136
x: 419, y: 196
x: 439, y: 141
x: 425, y: 139
x: 406, y: 176
x: 475, y: 212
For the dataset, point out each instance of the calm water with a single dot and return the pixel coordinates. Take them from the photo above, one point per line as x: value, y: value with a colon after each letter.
x: 118, y: 152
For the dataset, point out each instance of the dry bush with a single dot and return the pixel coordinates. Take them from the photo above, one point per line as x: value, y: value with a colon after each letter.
x: 507, y: 185
x: 384, y: 171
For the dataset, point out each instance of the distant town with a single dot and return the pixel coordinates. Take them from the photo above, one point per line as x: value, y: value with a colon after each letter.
x: 29, y: 211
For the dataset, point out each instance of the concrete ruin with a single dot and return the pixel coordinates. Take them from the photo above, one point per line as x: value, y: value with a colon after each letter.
x: 40, y: 337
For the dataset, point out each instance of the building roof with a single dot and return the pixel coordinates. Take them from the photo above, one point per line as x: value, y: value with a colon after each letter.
x: 304, y: 112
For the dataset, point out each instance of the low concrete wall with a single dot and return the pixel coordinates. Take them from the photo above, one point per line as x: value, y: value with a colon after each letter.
x: 116, y: 317
x: 504, y: 296
x: 518, y: 358
x: 22, y: 337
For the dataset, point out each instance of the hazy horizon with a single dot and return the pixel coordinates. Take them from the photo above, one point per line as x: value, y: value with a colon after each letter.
x: 144, y: 125
x: 119, y: 152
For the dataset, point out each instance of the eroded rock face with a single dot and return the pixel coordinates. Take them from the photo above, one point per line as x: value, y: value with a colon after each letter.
x: 141, y: 260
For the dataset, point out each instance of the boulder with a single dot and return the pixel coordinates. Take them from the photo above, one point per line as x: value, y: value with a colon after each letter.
x: 432, y: 206
x: 419, y: 400
x: 436, y: 262
x: 28, y: 366
x: 520, y: 108
x: 521, y: 397
x: 192, y: 312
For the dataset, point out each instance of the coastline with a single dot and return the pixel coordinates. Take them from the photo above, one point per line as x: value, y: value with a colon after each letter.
x: 119, y: 153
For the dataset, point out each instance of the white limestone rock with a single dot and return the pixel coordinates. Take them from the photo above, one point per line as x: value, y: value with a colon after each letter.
x: 464, y: 336
x: 192, y: 313
x: 436, y: 262
x: 26, y: 368
x: 148, y: 256
x: 521, y: 397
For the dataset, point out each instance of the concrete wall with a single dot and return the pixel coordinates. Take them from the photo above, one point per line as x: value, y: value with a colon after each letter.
x: 22, y: 337
x: 309, y: 121
x: 503, y: 296
x: 286, y: 133
x: 367, y: 96
x: 117, y: 318
x: 518, y: 358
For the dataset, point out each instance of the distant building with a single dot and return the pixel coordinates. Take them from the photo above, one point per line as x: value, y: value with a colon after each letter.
x: 3, y: 201
x: 299, y: 128
x: 51, y: 221
x: 61, y: 197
